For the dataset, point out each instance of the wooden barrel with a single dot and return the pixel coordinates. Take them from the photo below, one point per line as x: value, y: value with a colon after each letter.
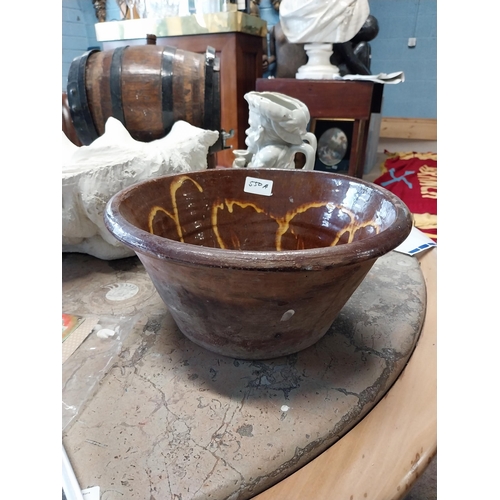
x: 147, y: 87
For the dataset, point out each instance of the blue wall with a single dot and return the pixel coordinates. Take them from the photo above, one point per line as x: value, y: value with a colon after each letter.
x: 398, y: 20
x: 78, y: 32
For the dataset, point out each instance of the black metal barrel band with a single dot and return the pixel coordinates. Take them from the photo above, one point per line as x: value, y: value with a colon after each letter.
x: 115, y: 84
x: 77, y: 99
x: 167, y: 87
x: 209, y: 89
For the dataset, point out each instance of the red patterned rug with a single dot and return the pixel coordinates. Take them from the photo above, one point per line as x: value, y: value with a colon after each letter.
x: 413, y: 177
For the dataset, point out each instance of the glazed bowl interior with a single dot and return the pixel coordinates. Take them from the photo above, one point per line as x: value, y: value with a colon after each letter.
x: 289, y: 211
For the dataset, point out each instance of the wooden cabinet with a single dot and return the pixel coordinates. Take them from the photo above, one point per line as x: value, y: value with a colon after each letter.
x: 240, y: 66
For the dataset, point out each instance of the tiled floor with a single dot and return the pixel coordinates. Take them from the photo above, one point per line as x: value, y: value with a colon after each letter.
x: 426, y: 486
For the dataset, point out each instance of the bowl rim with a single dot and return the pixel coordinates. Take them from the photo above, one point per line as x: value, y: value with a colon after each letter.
x: 306, y: 259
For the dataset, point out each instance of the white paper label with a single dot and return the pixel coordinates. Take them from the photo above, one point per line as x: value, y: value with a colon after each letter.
x: 258, y: 186
x: 93, y: 493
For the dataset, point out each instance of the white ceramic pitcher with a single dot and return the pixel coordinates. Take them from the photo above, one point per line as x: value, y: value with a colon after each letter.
x: 277, y: 132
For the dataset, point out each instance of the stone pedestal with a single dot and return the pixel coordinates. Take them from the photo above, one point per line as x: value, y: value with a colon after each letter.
x: 318, y: 66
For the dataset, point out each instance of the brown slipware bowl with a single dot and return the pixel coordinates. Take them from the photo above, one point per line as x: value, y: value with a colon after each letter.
x: 257, y: 263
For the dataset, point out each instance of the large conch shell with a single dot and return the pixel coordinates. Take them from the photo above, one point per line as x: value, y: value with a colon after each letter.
x: 92, y: 174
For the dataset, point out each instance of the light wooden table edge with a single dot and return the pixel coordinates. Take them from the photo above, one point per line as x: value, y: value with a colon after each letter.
x: 383, y: 455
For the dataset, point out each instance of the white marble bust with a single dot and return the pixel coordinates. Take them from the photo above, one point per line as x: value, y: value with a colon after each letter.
x: 328, y: 21
x: 318, y: 24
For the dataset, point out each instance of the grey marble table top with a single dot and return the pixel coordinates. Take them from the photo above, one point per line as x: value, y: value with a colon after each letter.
x: 171, y: 420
